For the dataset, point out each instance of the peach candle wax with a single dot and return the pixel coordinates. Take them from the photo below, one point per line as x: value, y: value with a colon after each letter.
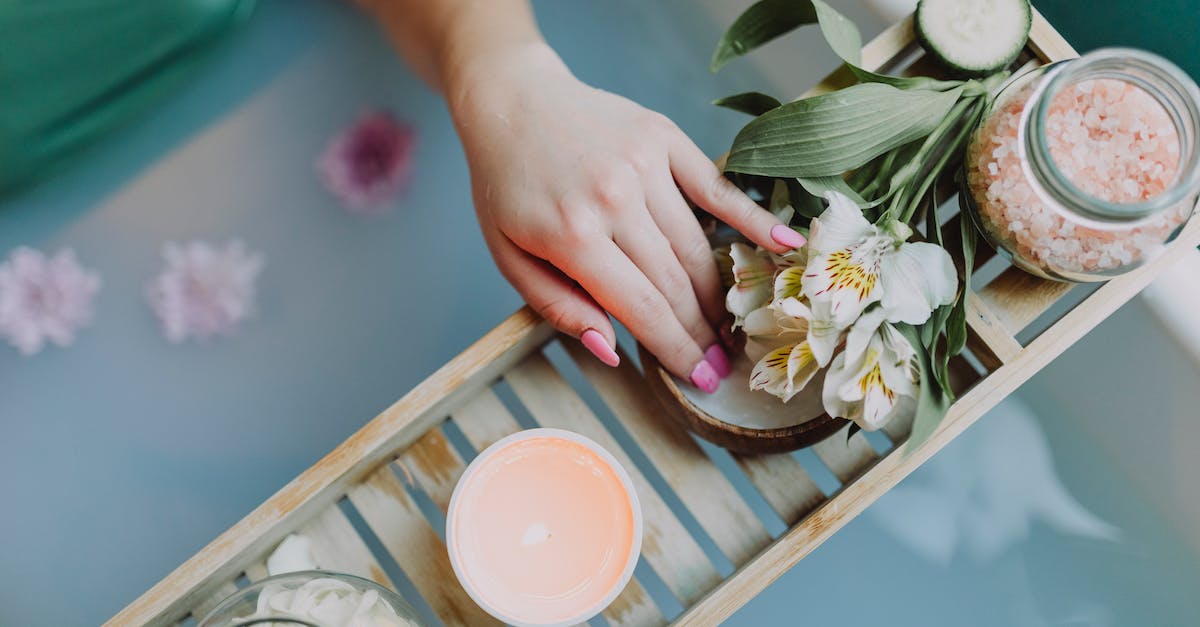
x: 544, y: 528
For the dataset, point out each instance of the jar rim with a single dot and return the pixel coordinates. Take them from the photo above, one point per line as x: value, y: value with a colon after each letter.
x: 1164, y: 81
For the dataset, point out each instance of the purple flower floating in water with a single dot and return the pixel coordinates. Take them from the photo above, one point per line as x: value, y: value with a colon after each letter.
x: 366, y: 165
x: 204, y: 291
x: 44, y: 299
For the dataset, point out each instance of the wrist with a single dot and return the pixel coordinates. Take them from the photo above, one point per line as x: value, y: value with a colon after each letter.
x: 500, y: 74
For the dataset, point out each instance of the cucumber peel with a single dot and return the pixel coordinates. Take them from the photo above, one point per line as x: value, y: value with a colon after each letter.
x: 974, y: 37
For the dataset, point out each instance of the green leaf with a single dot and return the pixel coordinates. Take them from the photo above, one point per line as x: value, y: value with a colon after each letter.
x: 840, y: 33
x: 751, y: 102
x: 761, y: 23
x: 805, y: 204
x: 903, y: 82
x: 932, y: 401
x: 818, y: 186
x: 831, y: 133
x: 768, y: 19
x: 932, y: 329
x: 956, y: 330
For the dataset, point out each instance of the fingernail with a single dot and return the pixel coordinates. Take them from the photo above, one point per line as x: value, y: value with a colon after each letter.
x: 705, y: 378
x: 787, y: 237
x: 716, y: 357
x: 594, y: 342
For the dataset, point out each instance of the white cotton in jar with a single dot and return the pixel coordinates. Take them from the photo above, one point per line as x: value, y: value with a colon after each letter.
x: 328, y: 602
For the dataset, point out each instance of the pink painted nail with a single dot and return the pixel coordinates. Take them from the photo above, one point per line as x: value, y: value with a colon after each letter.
x: 717, y: 358
x: 705, y: 378
x: 594, y: 342
x: 787, y: 237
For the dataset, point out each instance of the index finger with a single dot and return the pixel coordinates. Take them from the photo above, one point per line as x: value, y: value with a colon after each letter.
x: 704, y: 183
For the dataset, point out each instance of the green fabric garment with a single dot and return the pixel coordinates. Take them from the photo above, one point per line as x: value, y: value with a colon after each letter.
x: 72, y: 70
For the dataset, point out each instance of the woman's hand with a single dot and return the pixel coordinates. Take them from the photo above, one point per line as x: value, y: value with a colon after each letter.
x: 580, y: 195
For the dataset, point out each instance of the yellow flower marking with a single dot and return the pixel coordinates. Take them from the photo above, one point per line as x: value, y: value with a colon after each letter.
x: 847, y: 274
x: 873, y: 379
x: 804, y: 355
x: 775, y: 360
x: 789, y: 283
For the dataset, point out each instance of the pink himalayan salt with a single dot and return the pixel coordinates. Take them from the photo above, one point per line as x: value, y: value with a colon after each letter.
x: 1113, y: 141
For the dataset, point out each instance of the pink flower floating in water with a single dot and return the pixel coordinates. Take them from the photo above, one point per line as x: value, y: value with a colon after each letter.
x: 44, y: 299
x: 366, y: 165
x: 204, y: 291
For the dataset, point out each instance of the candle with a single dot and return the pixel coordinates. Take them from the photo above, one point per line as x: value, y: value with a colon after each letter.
x: 544, y: 528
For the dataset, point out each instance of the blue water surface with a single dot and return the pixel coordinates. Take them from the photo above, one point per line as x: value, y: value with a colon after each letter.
x: 123, y: 455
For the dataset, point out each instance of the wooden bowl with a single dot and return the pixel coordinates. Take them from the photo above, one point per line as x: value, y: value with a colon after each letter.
x: 740, y: 419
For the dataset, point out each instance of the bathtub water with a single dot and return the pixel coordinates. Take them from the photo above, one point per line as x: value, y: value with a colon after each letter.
x: 122, y: 456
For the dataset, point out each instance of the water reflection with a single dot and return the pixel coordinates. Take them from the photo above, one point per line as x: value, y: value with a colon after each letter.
x: 983, y: 495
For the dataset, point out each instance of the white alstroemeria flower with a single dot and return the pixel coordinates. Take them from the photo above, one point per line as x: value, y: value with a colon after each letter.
x: 874, y: 379
x: 853, y: 264
x: 753, y: 278
x: 823, y: 337
x: 777, y: 338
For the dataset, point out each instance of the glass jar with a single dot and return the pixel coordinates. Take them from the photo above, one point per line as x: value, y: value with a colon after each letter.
x: 1085, y: 169
x: 313, y: 598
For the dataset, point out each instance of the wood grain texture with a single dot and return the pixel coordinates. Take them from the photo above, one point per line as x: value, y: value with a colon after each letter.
x: 434, y: 465
x: 1000, y: 310
x: 399, y: 524
x: 706, y: 492
x: 209, y: 604
x: 1017, y: 298
x: 1046, y: 42
x: 666, y: 544
x: 678, y: 406
x: 846, y: 459
x: 857, y: 495
x: 326, y: 481
x: 987, y: 336
x: 783, y: 484
x: 484, y: 420
x: 257, y: 571
x: 337, y: 546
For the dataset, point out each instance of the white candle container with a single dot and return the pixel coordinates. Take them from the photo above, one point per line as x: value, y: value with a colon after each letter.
x: 466, y: 569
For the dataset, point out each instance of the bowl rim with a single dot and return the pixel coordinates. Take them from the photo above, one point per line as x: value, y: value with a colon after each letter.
x: 791, y: 437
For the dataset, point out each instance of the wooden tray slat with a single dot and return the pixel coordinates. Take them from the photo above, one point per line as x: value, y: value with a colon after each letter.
x: 666, y: 544
x: 783, y: 484
x: 360, y: 468
x: 857, y: 495
x: 257, y: 571
x: 336, y: 546
x: 701, y: 486
x: 484, y: 420
x: 209, y: 604
x: 992, y: 343
x: 1018, y: 298
x: 325, y: 482
x: 399, y: 524
x: 434, y: 465
x: 845, y: 459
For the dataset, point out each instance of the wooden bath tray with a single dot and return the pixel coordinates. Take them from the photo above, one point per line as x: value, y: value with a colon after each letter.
x: 370, y: 506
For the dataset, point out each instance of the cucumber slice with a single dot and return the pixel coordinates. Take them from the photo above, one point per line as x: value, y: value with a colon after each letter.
x: 975, y: 37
